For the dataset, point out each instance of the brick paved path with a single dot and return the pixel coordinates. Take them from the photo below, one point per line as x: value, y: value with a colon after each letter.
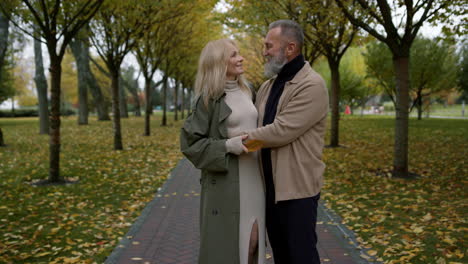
x: 167, y: 230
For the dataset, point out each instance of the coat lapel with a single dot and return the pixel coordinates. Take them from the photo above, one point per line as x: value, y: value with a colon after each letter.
x: 224, y: 112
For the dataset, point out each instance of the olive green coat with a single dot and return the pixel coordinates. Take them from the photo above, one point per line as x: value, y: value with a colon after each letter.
x: 203, y: 142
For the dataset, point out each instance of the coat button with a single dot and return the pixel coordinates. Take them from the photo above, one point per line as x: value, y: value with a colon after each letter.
x: 214, y: 212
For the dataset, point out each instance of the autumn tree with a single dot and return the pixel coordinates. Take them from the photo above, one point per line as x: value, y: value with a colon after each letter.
x: 114, y: 33
x: 397, y: 23
x: 58, y: 22
x: 333, y: 35
x: 250, y: 17
x: 130, y: 81
x: 432, y: 69
x: 155, y: 43
x: 41, y: 84
x: 6, y: 80
x: 87, y: 79
x: 4, y: 33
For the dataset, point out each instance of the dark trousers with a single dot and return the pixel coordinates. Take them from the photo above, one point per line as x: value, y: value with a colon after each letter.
x: 291, y: 230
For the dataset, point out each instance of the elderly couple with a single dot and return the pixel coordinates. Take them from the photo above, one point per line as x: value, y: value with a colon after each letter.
x: 245, y: 192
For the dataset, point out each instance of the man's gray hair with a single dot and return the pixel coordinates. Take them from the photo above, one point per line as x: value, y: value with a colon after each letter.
x: 289, y: 29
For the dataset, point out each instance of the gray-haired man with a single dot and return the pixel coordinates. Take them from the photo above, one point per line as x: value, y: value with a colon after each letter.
x: 292, y: 109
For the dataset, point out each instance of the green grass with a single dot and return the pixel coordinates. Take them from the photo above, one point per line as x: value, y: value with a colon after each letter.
x: 404, y: 221
x: 82, y: 222
x: 438, y: 110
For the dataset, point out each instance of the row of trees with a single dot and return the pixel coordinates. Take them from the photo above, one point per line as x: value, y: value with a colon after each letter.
x: 160, y: 34
x: 366, y: 71
x: 332, y: 26
x: 167, y: 35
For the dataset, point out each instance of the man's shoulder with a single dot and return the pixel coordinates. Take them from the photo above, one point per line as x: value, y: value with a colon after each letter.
x: 308, y: 76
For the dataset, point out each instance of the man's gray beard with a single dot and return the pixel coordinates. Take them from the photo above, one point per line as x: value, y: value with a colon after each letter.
x: 275, y: 65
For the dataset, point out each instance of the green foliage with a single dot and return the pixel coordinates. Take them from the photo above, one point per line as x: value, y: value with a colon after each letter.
x: 355, y: 88
x: 7, y: 89
x: 463, y: 71
x: 432, y: 67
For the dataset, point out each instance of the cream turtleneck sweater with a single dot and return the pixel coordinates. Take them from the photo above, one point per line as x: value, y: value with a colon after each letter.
x: 242, y: 118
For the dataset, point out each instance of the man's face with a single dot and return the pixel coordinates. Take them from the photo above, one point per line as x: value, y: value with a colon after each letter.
x: 275, y: 52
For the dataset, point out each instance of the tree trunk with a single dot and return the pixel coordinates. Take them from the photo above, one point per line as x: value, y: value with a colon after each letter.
x: 189, y: 101
x: 101, y: 105
x: 54, y: 143
x: 4, y: 32
x: 400, y: 162
x: 420, y: 105
x: 79, y: 54
x: 164, y: 102
x: 176, y: 103
x: 335, y: 100
x: 182, y: 107
x: 82, y: 48
x: 134, y: 92
x: 149, y: 107
x: 41, y: 88
x: 122, y: 100
x: 2, y: 142
x: 116, y: 108
x: 137, y: 104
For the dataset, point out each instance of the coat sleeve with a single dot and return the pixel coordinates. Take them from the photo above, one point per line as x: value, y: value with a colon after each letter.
x: 307, y: 106
x: 203, y: 151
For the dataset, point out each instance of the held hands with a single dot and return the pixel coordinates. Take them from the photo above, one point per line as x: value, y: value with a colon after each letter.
x: 234, y: 145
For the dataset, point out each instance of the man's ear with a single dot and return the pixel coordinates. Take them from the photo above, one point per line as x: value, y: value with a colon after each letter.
x: 291, y: 48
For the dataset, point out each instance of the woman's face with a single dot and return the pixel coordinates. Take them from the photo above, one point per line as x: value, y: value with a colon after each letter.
x: 234, y: 64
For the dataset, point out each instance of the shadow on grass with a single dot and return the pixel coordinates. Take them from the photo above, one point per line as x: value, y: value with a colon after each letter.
x: 47, y: 182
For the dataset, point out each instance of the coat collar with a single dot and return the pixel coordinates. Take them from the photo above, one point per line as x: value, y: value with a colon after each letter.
x: 299, y: 75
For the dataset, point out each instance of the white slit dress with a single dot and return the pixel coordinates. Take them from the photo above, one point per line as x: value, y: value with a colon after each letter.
x: 252, y: 194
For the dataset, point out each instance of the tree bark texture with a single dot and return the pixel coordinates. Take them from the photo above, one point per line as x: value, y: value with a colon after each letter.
x: 80, y: 47
x: 176, y: 101
x: 4, y: 32
x: 2, y: 142
x: 80, y: 54
x: 101, y: 105
x: 54, y: 142
x: 335, y: 100
x: 420, y: 104
x: 122, y: 99
x: 400, y: 162
x: 164, y: 102
x: 189, y: 101
x: 182, y: 108
x: 116, y: 109
x: 41, y: 88
x: 148, y: 107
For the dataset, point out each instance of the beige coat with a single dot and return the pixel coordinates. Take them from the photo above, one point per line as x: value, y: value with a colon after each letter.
x: 296, y: 137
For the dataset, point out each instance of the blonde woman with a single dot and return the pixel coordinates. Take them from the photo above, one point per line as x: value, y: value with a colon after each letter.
x: 232, y: 205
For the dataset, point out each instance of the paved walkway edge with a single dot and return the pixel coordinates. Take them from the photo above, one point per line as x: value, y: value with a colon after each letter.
x: 333, y: 221
x: 345, y: 236
x: 125, y: 241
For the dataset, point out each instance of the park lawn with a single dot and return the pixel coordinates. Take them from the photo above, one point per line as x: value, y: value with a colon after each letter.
x: 82, y: 222
x: 403, y: 221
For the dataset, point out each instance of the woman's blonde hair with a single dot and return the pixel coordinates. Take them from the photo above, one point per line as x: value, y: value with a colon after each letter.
x: 212, y: 69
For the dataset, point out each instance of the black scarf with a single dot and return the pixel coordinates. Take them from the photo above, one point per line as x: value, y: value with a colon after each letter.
x: 286, y: 74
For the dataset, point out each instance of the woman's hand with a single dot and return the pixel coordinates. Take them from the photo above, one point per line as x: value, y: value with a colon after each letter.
x: 235, y: 146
